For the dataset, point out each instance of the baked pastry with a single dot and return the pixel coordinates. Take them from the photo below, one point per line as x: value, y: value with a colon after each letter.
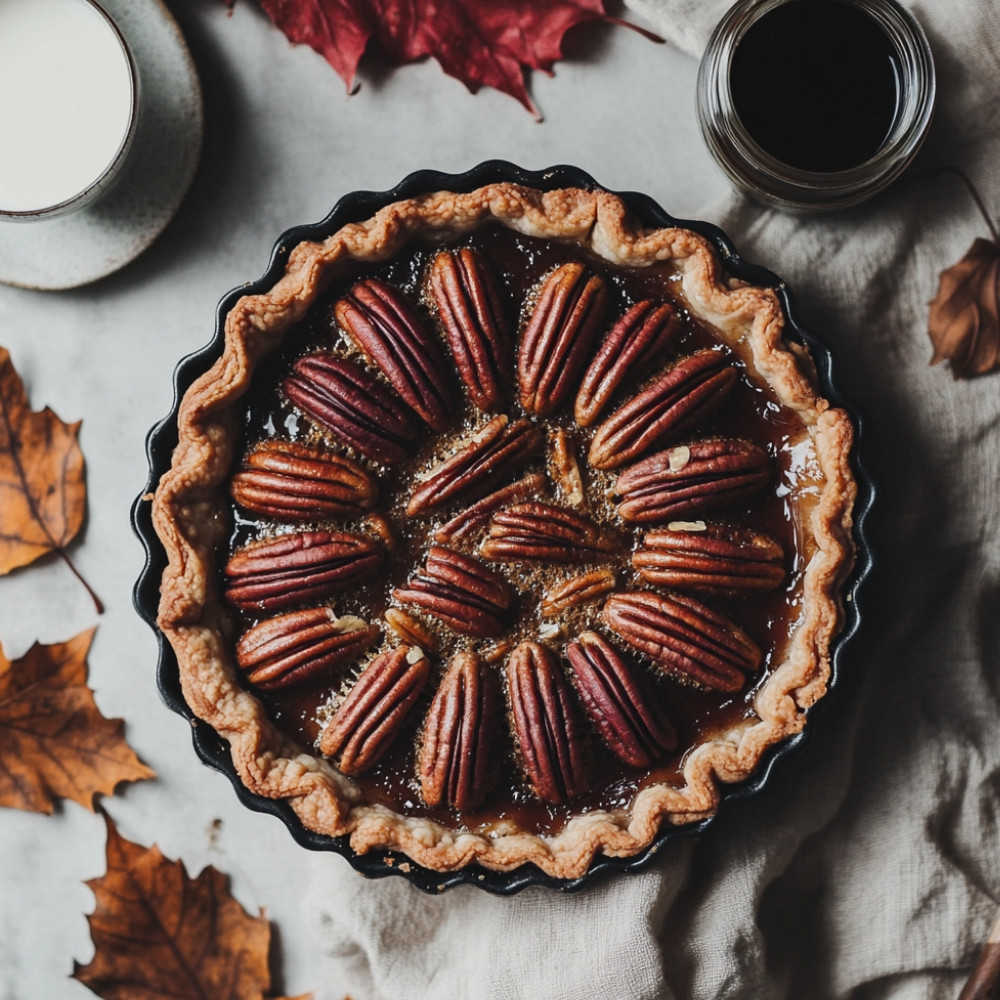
x: 504, y: 530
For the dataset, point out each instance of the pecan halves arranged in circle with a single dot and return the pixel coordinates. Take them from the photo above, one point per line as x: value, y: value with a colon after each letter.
x: 558, y: 336
x: 547, y: 727
x: 479, y: 463
x: 454, y: 763
x: 301, y: 646
x: 684, y: 638
x: 385, y: 327
x: 690, y: 479
x: 471, y: 313
x: 542, y: 531
x: 305, y: 566
x: 716, y: 558
x: 638, y: 338
x: 346, y: 399
x: 689, y: 391
x: 460, y: 591
x: 289, y: 481
x: 370, y: 717
x: 620, y: 701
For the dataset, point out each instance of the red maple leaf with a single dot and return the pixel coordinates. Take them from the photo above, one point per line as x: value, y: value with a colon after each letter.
x: 480, y: 42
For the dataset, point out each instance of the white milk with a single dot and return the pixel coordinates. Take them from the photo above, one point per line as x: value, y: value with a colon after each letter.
x: 65, y: 100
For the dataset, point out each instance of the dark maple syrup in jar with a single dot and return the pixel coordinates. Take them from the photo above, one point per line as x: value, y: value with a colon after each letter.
x: 815, y: 104
x: 816, y: 84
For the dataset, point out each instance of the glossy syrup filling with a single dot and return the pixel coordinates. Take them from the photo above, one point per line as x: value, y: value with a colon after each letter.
x: 751, y: 412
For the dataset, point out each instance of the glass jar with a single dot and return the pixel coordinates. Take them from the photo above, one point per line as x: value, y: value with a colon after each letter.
x: 69, y: 106
x: 758, y: 173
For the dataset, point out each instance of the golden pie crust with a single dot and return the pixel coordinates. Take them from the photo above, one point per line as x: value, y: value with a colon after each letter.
x: 189, y: 517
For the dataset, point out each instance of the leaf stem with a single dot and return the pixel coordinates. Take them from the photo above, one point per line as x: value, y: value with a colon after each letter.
x: 971, y: 188
x: 98, y: 604
x: 645, y: 32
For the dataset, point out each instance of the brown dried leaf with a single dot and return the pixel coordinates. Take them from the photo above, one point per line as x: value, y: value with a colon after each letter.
x: 42, y: 492
x: 53, y: 740
x: 964, y: 322
x: 160, y: 934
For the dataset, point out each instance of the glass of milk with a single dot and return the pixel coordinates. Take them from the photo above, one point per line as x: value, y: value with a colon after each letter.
x: 69, y: 97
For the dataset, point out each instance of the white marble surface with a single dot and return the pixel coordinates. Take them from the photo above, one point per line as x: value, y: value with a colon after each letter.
x: 283, y: 142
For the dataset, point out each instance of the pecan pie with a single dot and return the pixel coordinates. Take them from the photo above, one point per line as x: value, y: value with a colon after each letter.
x: 504, y: 530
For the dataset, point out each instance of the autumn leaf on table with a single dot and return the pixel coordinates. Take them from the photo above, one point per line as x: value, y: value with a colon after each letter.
x: 160, y: 934
x: 480, y: 42
x: 54, y: 743
x: 964, y: 321
x: 42, y: 491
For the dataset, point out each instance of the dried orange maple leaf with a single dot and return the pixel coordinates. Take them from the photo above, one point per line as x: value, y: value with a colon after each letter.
x: 480, y: 42
x: 158, y: 933
x: 964, y: 322
x: 42, y: 491
x: 53, y: 740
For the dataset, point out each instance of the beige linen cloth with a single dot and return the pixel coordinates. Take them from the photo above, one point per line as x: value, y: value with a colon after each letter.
x: 868, y: 869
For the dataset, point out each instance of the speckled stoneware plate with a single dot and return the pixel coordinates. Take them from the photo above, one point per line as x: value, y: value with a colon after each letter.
x: 97, y: 240
x: 214, y: 751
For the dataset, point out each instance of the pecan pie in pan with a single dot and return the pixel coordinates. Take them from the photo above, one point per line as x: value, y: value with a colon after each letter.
x: 505, y: 529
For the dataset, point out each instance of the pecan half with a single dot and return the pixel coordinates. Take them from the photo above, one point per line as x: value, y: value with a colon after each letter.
x: 472, y: 316
x: 566, y: 469
x: 690, y: 479
x: 620, y: 701
x: 386, y: 329
x: 289, y: 481
x: 345, y: 398
x: 378, y: 524
x: 576, y: 591
x: 477, y: 465
x: 497, y: 651
x: 718, y: 559
x: 684, y: 638
x: 454, y: 763
x: 301, y: 646
x: 542, y: 531
x: 547, y: 727
x: 478, y: 514
x: 409, y: 630
x: 460, y: 591
x: 370, y: 717
x: 558, y: 336
x: 638, y: 338
x: 689, y: 391
x: 305, y: 566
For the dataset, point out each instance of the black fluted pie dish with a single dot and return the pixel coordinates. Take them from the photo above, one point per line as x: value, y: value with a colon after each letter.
x: 506, y: 526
